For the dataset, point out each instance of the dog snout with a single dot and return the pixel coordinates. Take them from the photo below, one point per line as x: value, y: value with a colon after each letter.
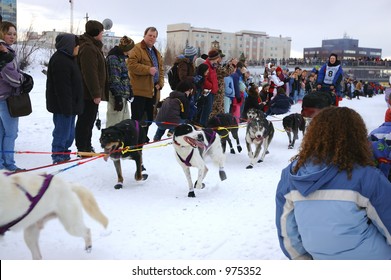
x: 258, y: 135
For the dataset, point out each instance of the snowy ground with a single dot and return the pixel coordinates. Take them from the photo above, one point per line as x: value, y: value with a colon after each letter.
x: 154, y: 219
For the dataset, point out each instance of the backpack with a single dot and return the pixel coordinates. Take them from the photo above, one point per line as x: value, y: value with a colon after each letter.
x: 173, y: 77
x: 381, y: 150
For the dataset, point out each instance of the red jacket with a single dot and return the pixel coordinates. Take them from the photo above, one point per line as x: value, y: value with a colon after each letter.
x: 211, y: 79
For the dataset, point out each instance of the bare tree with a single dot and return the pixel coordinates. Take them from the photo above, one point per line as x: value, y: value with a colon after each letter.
x: 28, y: 43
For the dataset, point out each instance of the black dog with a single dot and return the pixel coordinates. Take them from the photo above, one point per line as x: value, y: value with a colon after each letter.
x: 292, y: 124
x: 223, y: 124
x: 124, y: 140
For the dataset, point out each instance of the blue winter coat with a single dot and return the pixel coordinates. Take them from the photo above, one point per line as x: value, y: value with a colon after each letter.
x: 320, y: 214
x: 337, y: 78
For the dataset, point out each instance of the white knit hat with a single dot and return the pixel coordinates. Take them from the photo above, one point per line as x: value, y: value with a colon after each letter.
x: 199, y: 61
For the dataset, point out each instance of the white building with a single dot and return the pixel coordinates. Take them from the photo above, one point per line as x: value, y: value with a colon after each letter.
x: 254, y: 45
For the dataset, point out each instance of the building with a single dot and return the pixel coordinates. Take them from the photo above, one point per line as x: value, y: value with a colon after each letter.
x: 8, y: 10
x: 109, y: 40
x: 254, y: 45
x: 346, y: 48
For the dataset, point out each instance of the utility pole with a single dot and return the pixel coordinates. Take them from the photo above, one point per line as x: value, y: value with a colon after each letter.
x: 71, y: 2
x: 86, y: 17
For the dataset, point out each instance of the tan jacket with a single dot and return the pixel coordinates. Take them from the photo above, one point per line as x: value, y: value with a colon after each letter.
x: 139, y: 63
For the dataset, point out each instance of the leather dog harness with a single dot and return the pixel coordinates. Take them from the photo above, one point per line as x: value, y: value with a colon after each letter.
x: 33, y: 202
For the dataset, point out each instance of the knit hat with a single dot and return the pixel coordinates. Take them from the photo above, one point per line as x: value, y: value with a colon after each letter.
x: 126, y: 44
x: 198, y: 61
x: 190, y: 51
x: 278, y: 69
x: 213, y: 54
x: 93, y: 28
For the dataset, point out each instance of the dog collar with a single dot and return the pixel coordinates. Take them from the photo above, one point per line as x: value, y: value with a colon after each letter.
x: 33, y: 202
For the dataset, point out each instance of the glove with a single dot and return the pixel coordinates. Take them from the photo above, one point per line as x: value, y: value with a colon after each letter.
x: 238, y: 99
x: 118, y: 103
x: 28, y: 83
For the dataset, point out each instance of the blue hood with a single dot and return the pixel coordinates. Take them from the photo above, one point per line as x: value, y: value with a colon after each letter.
x: 311, y: 177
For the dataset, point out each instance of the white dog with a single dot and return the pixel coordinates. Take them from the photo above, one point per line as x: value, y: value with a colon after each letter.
x: 28, y: 200
x: 191, y: 146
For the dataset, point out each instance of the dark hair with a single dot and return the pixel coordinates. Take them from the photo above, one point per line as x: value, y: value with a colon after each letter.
x: 151, y: 28
x: 185, y: 85
x: 201, y: 69
x: 240, y: 65
x: 328, y: 140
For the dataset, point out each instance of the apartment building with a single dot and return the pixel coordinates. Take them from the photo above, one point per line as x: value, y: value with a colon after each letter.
x: 254, y: 45
x: 8, y: 10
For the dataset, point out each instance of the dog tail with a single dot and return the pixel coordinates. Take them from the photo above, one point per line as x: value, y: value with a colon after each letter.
x: 90, y: 205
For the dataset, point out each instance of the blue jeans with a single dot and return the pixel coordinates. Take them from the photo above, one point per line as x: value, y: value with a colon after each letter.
x: 8, y: 135
x: 63, y: 136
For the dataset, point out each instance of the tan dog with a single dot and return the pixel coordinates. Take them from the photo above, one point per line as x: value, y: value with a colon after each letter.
x: 20, y: 192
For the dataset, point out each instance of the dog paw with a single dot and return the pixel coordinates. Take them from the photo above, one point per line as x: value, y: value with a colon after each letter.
x: 260, y: 160
x: 290, y: 147
x: 118, y: 186
x: 222, y: 174
x: 249, y: 166
x: 232, y: 151
x: 197, y: 186
x: 239, y: 149
x: 143, y: 177
x: 191, y: 194
x: 267, y: 152
x: 143, y: 168
x: 89, y: 249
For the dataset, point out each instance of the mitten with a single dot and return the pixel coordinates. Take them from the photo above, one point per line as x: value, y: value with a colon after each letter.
x: 118, y: 103
x: 27, y: 84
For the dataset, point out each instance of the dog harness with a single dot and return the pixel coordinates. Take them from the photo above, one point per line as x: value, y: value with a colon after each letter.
x: 188, y: 158
x: 33, y: 202
x: 210, y: 137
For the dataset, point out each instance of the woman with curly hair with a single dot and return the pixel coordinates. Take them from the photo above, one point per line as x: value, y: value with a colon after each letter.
x: 331, y: 202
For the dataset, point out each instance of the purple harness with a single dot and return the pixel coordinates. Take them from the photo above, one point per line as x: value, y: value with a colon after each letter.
x: 33, y: 199
x: 188, y: 158
x: 210, y: 140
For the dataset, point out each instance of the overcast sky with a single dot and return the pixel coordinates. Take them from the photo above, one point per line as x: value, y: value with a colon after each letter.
x: 306, y: 22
